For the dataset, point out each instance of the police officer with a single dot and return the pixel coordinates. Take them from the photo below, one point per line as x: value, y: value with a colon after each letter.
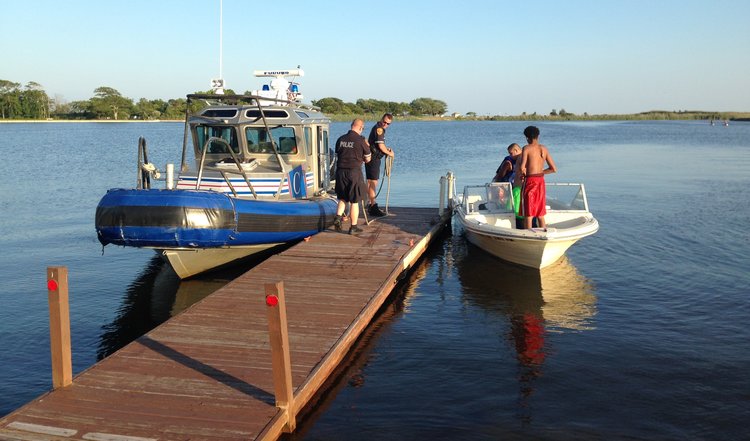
x: 372, y: 169
x: 351, y: 151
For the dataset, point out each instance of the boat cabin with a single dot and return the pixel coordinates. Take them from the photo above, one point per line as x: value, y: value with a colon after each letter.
x: 259, y: 146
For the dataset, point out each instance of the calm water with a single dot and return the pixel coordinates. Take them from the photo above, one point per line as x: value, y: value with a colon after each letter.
x: 640, y: 333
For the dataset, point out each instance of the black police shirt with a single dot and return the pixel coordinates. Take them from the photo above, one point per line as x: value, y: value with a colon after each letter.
x: 351, y: 150
x: 377, y: 136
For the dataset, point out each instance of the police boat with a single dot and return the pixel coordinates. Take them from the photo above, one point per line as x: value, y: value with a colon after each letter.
x: 260, y: 178
x: 487, y: 214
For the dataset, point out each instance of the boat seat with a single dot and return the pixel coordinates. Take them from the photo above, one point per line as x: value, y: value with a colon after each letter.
x: 493, y: 207
x: 287, y: 145
x: 472, y: 203
x: 261, y: 147
x: 217, y: 147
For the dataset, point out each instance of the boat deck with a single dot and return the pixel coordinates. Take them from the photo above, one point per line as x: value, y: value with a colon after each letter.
x: 206, y: 373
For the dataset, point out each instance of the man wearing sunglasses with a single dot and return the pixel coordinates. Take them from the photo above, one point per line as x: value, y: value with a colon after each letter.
x: 372, y: 168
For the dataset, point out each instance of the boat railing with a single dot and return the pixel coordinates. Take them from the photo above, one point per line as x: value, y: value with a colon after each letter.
x: 147, y: 171
x: 254, y: 100
x: 251, y: 99
x: 224, y: 173
x: 275, y: 151
x: 144, y: 176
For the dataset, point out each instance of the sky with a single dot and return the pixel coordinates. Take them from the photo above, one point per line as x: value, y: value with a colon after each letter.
x: 489, y: 57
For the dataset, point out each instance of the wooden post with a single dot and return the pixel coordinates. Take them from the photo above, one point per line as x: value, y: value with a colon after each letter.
x: 281, y: 362
x: 441, y: 204
x: 59, y: 326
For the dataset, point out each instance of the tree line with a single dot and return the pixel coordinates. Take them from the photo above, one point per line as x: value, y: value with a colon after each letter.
x: 16, y: 102
x: 32, y: 102
x: 417, y: 107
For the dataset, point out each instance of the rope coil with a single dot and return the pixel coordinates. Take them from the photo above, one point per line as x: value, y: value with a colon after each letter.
x: 386, y: 172
x: 150, y: 168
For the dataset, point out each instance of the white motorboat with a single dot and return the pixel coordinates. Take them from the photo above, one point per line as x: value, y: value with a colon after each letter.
x: 487, y: 215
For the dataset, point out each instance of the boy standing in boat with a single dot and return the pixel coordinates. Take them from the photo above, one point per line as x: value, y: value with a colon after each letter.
x: 505, y: 173
x: 351, y: 151
x: 533, y: 158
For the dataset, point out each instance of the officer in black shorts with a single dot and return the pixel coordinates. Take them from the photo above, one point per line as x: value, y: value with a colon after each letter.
x: 372, y: 169
x: 351, y: 151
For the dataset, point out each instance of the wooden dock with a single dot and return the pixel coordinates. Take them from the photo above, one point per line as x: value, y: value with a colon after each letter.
x: 206, y: 374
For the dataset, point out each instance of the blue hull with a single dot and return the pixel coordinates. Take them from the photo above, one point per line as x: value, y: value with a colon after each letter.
x: 205, y: 219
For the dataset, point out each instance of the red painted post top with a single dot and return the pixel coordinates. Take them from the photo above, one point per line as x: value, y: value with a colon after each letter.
x: 272, y: 300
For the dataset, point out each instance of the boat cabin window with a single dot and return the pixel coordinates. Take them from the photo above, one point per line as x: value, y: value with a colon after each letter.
x: 203, y: 133
x: 258, y: 140
x: 308, y: 140
x: 269, y: 113
x: 220, y: 113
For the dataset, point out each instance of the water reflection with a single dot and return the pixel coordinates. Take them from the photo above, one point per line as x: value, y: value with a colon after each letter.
x: 147, y: 303
x: 558, y: 295
x: 569, y: 300
x: 556, y: 299
x: 351, y: 372
x: 158, y: 294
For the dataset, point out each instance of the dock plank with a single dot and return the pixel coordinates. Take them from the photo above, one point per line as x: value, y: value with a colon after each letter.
x: 206, y: 373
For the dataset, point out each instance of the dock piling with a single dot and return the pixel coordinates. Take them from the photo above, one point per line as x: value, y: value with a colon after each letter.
x: 447, y: 193
x: 59, y: 326
x: 441, y: 204
x: 281, y: 361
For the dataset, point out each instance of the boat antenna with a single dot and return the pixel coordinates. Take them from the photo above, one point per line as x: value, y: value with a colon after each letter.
x: 221, y: 38
x: 217, y: 84
x: 295, y: 75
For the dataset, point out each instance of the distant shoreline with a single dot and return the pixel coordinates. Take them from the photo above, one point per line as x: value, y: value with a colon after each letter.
x: 646, y: 116
x: 12, y: 121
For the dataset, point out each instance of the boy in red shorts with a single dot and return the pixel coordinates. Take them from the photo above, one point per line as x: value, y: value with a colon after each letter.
x: 533, y: 158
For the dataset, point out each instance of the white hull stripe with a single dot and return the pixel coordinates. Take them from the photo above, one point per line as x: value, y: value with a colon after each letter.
x: 262, y: 186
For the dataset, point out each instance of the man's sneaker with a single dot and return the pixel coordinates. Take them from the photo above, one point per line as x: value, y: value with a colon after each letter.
x: 355, y: 229
x: 337, y: 223
x: 375, y: 211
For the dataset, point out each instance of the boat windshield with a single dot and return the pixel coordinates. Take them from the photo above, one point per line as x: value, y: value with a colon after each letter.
x: 496, y: 197
x: 228, y: 134
x: 566, y: 197
x: 258, y: 140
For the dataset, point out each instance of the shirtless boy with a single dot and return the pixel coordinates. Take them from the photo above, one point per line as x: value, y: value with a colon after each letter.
x: 533, y: 158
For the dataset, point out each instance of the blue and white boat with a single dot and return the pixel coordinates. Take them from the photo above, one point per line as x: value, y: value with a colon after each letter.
x: 261, y: 178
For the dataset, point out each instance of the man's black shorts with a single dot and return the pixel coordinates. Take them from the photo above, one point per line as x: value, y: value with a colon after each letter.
x: 350, y: 187
x: 372, y: 169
